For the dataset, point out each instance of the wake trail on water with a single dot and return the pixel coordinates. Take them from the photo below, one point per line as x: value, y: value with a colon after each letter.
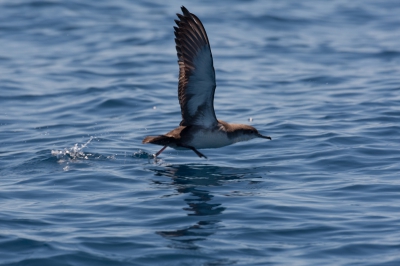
x: 76, y: 153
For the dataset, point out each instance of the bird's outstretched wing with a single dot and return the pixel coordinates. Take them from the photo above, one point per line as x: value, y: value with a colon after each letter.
x: 196, y: 72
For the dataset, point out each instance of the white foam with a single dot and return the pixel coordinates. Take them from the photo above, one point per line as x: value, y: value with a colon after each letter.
x: 75, y: 152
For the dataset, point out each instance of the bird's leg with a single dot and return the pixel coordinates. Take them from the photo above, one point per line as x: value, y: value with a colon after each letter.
x: 197, y: 152
x: 194, y: 149
x: 160, y: 151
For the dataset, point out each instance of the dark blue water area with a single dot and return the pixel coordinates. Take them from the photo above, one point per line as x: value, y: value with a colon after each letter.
x: 83, y: 82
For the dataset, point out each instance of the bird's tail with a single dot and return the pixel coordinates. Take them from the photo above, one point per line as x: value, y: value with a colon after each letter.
x: 158, y: 140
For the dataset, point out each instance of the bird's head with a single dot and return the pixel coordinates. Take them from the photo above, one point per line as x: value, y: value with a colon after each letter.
x: 246, y: 132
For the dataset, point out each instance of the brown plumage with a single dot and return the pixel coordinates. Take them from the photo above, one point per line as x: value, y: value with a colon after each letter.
x: 190, y: 39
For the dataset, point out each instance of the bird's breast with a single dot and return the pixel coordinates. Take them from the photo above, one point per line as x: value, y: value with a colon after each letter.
x: 207, y: 139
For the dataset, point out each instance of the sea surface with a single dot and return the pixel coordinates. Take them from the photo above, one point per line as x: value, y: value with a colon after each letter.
x: 83, y: 82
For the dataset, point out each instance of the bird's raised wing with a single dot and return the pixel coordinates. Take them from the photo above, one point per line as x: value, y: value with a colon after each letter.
x: 196, y: 72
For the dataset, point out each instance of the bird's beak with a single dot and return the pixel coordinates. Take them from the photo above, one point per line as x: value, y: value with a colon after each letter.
x: 264, y: 137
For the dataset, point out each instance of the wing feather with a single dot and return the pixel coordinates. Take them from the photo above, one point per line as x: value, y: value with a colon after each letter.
x: 197, y: 85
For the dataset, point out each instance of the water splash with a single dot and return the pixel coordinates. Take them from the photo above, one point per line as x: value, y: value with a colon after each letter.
x: 75, y: 152
x: 143, y: 155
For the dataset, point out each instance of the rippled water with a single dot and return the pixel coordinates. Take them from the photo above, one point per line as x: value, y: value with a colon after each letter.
x: 83, y: 82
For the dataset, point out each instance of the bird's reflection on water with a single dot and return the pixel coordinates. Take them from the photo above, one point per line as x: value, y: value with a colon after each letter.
x: 194, y: 181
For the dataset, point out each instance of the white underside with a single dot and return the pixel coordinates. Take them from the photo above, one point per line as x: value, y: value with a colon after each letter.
x: 205, y: 139
x: 209, y: 139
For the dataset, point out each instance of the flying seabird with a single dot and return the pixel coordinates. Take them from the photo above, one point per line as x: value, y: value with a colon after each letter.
x: 199, y: 128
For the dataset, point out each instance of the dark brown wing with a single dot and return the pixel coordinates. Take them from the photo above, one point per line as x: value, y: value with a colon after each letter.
x: 196, y: 72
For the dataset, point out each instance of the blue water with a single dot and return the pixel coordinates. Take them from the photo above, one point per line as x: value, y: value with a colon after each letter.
x: 82, y: 83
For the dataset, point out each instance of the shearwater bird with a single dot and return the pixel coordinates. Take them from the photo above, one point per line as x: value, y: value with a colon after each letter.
x: 199, y: 128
